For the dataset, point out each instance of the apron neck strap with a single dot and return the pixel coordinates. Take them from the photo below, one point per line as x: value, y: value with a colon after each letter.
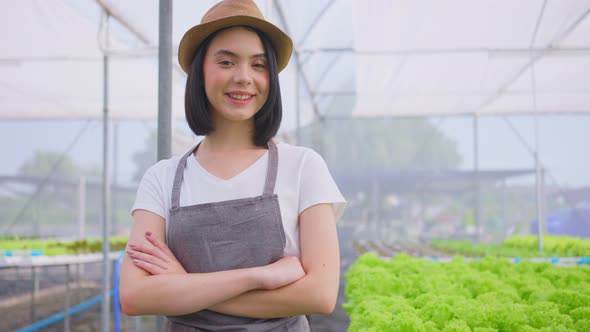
x: 179, y: 176
x: 271, y: 173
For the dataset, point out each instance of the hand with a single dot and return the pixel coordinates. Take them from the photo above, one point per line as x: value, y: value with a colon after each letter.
x: 154, y: 257
x: 281, y: 273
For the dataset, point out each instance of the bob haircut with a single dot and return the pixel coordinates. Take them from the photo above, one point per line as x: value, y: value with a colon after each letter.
x: 196, y: 105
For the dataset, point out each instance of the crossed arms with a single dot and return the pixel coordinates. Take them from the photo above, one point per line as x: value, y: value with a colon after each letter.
x: 153, y: 282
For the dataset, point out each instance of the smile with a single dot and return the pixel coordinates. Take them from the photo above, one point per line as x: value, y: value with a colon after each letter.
x: 239, y: 96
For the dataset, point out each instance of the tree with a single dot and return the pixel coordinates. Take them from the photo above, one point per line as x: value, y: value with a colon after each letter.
x: 391, y: 143
x: 50, y: 202
x: 45, y: 163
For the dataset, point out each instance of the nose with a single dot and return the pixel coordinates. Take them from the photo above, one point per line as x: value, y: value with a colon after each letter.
x: 243, y: 75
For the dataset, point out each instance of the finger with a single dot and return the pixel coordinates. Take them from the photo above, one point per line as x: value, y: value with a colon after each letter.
x: 149, y: 268
x: 159, y: 244
x: 147, y: 258
x: 149, y: 249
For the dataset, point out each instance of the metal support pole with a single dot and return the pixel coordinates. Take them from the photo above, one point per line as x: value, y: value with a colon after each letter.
x: 37, y: 226
x: 476, y: 202
x: 114, y: 228
x: 164, y: 91
x: 298, y: 63
x: 538, y: 171
x: 67, y: 301
x: 79, y: 292
x: 375, y: 194
x: 138, y: 324
x: 106, y: 212
x: 539, y: 197
x: 35, y: 281
x: 504, y: 209
x: 165, y: 81
x: 82, y: 208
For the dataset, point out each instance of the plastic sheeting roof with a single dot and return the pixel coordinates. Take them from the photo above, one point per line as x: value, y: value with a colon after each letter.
x: 404, y: 57
x: 51, y: 58
x: 431, y: 57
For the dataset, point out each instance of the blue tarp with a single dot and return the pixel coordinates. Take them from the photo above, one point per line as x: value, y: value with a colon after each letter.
x: 571, y: 222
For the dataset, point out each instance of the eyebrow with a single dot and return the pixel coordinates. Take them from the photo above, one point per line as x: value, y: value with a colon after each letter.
x: 232, y: 54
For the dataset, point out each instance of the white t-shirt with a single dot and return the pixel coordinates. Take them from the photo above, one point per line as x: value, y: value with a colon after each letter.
x: 303, y: 180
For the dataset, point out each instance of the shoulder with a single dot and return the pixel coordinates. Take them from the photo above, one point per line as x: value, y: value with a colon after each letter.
x: 163, y: 169
x: 297, y: 153
x: 299, y: 159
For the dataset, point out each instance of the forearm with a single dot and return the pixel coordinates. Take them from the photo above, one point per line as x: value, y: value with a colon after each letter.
x: 178, y: 294
x: 316, y: 292
x: 308, y: 295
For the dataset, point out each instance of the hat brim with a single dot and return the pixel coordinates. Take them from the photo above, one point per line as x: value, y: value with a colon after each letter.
x: 196, y: 35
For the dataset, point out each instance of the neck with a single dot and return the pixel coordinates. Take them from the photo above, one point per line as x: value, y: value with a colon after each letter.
x: 229, y: 135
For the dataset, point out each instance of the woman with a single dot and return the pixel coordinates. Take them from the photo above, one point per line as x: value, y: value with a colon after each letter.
x: 238, y: 234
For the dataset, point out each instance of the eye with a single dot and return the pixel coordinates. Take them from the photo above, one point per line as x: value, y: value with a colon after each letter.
x: 260, y: 65
x: 225, y: 63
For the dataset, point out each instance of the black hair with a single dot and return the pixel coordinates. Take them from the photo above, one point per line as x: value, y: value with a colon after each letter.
x: 196, y: 107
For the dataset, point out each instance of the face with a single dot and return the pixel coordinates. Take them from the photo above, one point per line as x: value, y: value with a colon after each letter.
x: 236, y: 75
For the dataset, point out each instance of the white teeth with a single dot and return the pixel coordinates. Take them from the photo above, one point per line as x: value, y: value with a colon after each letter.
x: 240, y: 97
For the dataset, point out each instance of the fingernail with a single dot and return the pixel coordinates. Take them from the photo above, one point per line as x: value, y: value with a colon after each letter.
x: 132, y: 245
x: 130, y: 253
x: 148, y: 233
x: 135, y: 261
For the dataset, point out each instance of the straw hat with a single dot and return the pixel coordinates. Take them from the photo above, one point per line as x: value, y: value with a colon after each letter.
x: 230, y: 13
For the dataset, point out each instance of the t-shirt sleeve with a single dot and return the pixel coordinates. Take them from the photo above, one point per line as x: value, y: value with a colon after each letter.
x: 150, y: 194
x: 318, y: 186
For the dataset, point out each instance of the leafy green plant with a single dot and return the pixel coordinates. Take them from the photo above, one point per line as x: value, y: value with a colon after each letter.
x: 520, y: 246
x: 490, y: 294
x: 53, y: 247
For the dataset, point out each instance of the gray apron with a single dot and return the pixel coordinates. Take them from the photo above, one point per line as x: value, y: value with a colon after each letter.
x: 227, y: 235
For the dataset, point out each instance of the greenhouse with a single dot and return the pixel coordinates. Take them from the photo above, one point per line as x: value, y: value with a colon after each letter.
x: 455, y: 130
